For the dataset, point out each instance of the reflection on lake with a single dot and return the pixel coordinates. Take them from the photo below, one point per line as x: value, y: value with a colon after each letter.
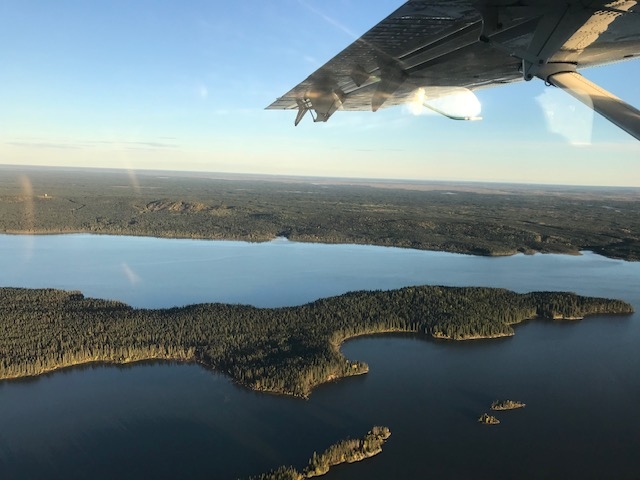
x: 581, y: 381
x: 152, y: 272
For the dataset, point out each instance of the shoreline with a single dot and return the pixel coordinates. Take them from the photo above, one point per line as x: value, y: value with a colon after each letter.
x: 440, y: 336
x: 343, y: 452
x: 230, y: 238
x: 334, y: 377
x: 286, y: 351
x: 493, y: 220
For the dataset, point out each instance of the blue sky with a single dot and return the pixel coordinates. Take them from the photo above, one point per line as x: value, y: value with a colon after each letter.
x: 183, y: 86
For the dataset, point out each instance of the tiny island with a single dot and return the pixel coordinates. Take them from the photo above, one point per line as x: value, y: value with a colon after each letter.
x: 499, y: 405
x: 507, y: 405
x: 345, y: 451
x: 285, y: 351
x: 487, y: 419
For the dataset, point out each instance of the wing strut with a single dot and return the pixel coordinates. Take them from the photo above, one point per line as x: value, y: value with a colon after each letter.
x: 324, y: 101
x: 612, y: 108
x: 303, y: 107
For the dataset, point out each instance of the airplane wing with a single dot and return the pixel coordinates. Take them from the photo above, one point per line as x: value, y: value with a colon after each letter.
x: 441, y: 46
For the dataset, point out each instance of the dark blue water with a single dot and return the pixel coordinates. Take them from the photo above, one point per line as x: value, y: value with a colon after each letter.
x: 580, y: 380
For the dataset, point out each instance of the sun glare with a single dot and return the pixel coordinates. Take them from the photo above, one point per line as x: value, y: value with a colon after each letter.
x: 458, y: 103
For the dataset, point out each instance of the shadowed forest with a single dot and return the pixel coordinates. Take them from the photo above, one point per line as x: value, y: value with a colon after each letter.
x: 281, y: 350
x: 465, y: 218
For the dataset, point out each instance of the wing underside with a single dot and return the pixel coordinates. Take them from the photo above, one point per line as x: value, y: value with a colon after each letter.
x: 444, y: 45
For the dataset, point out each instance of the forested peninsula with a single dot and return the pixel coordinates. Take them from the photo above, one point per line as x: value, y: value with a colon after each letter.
x: 281, y: 350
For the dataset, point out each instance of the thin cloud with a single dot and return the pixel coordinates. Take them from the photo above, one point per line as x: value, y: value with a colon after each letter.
x: 129, y: 145
x: 41, y: 144
x: 202, y: 91
x: 566, y: 117
x: 328, y: 19
x: 134, y: 144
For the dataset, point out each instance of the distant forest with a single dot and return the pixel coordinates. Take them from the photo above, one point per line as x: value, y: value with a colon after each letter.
x: 282, y: 350
x: 474, y: 219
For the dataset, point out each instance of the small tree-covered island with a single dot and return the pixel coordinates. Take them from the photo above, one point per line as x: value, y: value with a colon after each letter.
x: 286, y: 350
x: 345, y: 451
x: 507, y: 405
x: 487, y: 419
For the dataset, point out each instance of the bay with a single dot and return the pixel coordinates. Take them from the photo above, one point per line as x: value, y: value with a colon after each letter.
x: 580, y: 380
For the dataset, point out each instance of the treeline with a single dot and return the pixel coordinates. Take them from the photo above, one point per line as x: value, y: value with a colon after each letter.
x: 284, y: 350
x: 500, y: 221
x: 345, y: 451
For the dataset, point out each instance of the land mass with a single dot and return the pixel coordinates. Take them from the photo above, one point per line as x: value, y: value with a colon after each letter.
x: 280, y: 350
x: 487, y: 419
x: 507, y: 405
x: 478, y: 219
x: 345, y: 451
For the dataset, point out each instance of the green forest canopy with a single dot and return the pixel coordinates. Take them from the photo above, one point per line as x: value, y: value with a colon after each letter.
x: 282, y: 350
x: 468, y: 218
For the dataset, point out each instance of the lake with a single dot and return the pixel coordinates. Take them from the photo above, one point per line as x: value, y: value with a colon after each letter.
x: 580, y: 380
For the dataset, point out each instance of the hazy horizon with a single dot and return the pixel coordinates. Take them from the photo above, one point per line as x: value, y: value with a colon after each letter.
x: 184, y: 87
x: 329, y: 178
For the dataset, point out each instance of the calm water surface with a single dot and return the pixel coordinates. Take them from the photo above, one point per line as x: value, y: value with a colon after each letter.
x: 581, y: 380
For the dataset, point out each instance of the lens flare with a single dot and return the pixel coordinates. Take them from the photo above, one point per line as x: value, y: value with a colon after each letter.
x: 416, y: 104
x: 453, y: 102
